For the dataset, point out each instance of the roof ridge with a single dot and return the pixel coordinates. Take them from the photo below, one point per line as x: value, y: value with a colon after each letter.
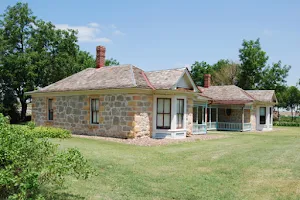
x: 147, y: 80
x: 166, y: 69
x: 133, y: 77
x: 246, y: 93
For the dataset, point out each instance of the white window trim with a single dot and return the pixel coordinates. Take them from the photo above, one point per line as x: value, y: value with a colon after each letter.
x: 269, y: 121
x: 173, y: 113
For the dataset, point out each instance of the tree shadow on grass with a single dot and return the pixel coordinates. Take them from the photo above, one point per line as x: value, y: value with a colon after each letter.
x: 63, y: 196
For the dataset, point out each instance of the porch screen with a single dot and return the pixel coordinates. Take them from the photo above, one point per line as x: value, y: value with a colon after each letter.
x: 180, y: 113
x: 95, y: 111
x: 163, y: 120
x: 200, y: 115
x: 262, y: 115
x: 213, y: 114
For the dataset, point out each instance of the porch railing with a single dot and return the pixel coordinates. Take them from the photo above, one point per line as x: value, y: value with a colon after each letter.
x: 229, y: 126
x: 220, y: 126
x: 211, y: 125
x: 199, y: 128
x: 247, y: 127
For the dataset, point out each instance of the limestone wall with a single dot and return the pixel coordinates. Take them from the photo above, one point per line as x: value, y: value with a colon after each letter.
x: 235, y: 117
x: 189, y: 119
x: 121, y: 115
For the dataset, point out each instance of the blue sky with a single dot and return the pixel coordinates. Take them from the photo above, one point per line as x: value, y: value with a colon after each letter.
x: 168, y: 33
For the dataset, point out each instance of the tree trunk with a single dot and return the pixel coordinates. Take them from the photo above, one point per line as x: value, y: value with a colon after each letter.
x: 24, y: 110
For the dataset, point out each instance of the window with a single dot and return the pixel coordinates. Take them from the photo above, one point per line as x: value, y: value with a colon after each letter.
x: 197, y: 114
x: 95, y: 111
x: 262, y: 115
x: 50, y: 109
x: 270, y: 115
x: 180, y: 112
x: 163, y: 120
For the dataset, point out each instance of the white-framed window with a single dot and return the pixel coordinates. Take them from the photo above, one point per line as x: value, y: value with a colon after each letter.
x: 262, y: 115
x: 270, y: 114
x: 50, y: 109
x: 94, y: 111
x: 163, y: 115
x: 180, y: 113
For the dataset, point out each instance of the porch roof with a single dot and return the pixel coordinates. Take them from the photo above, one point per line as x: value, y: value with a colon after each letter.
x: 227, y: 94
x: 263, y: 95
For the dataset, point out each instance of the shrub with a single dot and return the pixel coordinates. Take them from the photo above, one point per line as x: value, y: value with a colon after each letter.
x: 43, y: 132
x: 29, y: 165
x: 50, y: 132
x: 31, y: 125
x: 279, y: 123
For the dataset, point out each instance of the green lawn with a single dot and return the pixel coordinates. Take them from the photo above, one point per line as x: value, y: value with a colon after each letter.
x: 241, y: 166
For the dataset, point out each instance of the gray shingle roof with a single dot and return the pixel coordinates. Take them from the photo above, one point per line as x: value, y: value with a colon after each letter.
x: 165, y: 79
x: 116, y: 77
x: 263, y: 95
x: 227, y: 93
x: 113, y: 77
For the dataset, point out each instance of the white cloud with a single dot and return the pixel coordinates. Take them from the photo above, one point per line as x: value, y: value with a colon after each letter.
x: 118, y: 32
x: 93, y: 24
x: 88, y: 33
x: 113, y: 26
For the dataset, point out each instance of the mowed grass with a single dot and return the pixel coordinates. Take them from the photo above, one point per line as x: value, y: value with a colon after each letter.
x: 240, y: 166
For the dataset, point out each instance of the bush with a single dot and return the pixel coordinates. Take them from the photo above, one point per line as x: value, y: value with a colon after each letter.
x: 31, y: 125
x: 50, y: 132
x: 279, y: 123
x: 43, y: 132
x: 29, y: 165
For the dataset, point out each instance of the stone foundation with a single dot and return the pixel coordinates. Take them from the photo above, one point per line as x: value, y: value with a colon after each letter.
x: 120, y: 115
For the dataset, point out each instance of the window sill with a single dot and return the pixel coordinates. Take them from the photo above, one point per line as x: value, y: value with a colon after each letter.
x: 169, y: 130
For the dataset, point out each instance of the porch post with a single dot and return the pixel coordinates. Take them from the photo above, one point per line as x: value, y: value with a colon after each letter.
x: 205, y: 114
x: 243, y: 119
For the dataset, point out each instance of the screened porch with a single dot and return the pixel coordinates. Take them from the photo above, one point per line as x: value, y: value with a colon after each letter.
x: 221, y: 118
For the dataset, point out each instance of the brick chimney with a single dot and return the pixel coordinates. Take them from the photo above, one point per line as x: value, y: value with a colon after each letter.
x: 100, y: 56
x: 207, y: 80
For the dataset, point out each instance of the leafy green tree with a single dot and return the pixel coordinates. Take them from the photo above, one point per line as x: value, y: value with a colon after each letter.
x: 198, y: 71
x: 111, y: 62
x: 253, y: 60
x: 274, y: 77
x: 292, y: 99
x: 225, y: 73
x: 17, y: 25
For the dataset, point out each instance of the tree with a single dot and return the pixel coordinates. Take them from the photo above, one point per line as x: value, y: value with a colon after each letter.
x: 111, y: 62
x: 198, y: 71
x: 16, y: 70
x: 292, y: 99
x: 225, y: 73
x: 34, y: 53
x: 274, y: 78
x: 253, y: 60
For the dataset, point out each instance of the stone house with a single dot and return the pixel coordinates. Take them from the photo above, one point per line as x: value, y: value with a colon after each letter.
x: 125, y: 101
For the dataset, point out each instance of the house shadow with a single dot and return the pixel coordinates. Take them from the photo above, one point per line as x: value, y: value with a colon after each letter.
x: 63, y: 196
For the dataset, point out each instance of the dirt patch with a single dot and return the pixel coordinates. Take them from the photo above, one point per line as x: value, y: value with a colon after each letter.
x: 146, y: 141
